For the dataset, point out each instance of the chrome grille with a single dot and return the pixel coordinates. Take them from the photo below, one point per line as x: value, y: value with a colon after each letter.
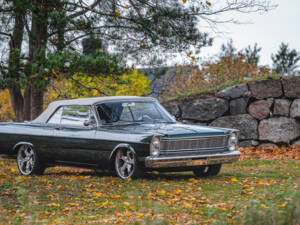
x: 193, y: 145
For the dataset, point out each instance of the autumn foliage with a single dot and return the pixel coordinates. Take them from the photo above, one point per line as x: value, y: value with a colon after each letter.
x: 271, y: 152
x: 212, y: 74
x: 83, y: 85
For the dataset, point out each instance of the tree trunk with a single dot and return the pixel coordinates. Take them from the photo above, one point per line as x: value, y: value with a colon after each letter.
x: 14, y: 64
x: 37, y: 42
x: 17, y: 102
x: 27, y: 103
x: 37, y: 101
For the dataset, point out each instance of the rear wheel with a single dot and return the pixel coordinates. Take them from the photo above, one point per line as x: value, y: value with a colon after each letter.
x: 28, y: 161
x: 207, y: 171
x: 126, y: 164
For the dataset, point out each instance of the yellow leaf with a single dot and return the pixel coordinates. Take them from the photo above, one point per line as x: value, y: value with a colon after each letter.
x: 117, y: 14
x: 163, y: 192
x: 245, y: 186
x: 261, y: 182
x: 126, y: 203
x: 184, y: 1
x: 188, y: 54
x: 143, y: 46
x: 187, y: 205
x: 89, y: 7
x: 193, y: 57
x: 132, y: 208
x: 208, y: 3
x: 116, y: 196
x: 282, y: 205
x: 98, y: 194
x: 54, y: 204
x: 72, y: 204
x: 54, y: 72
x: 104, y: 204
x: 261, y: 166
x: 262, y: 205
x: 126, y: 6
x: 13, y: 170
x: 140, y: 214
x: 178, y: 191
x: 234, y: 179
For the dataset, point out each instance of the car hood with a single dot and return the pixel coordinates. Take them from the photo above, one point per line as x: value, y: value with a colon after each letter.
x: 171, y: 130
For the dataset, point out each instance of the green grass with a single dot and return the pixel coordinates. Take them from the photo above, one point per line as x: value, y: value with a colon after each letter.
x: 78, y: 196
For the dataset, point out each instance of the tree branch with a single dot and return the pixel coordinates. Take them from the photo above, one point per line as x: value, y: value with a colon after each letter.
x: 85, y: 10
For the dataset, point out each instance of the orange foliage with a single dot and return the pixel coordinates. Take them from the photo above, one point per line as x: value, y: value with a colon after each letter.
x: 213, y: 74
x: 271, y: 152
x: 6, y: 110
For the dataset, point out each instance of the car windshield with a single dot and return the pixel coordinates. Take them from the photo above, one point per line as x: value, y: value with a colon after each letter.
x: 133, y: 112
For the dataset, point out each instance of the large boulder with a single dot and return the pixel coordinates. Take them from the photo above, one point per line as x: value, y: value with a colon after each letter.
x: 236, y: 91
x: 260, y: 109
x: 203, y: 109
x: 278, y: 130
x: 243, y: 122
x: 238, y: 106
x: 265, y: 88
x: 291, y: 87
x: 281, y: 107
x: 295, y: 109
x: 172, y: 108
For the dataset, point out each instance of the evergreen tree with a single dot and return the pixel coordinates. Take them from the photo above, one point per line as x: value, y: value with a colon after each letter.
x: 252, y: 55
x: 285, y: 60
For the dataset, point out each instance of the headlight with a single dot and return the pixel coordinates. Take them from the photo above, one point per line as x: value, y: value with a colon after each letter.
x: 232, y: 141
x: 155, y: 146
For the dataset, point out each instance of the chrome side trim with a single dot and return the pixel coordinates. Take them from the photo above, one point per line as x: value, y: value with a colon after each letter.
x: 192, y: 160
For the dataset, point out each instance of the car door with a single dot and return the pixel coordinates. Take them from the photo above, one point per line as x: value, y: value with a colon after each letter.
x: 74, y: 137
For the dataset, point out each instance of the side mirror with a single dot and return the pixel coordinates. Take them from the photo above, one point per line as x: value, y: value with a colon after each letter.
x: 86, y: 123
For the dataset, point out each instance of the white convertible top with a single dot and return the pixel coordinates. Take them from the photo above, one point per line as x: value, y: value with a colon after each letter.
x: 82, y: 101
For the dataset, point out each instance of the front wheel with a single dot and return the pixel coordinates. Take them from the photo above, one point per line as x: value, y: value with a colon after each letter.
x: 207, y: 171
x: 126, y: 164
x: 28, y: 161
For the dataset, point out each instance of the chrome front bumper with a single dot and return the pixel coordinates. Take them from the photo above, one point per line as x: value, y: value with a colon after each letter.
x: 192, y: 160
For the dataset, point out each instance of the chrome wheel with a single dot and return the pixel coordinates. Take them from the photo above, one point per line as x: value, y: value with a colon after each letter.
x: 26, y: 159
x: 125, y: 163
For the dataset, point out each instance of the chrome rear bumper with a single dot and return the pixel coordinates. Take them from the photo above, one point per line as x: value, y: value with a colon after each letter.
x: 192, y: 160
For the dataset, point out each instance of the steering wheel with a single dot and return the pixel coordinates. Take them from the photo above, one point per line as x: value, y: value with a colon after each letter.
x: 145, y: 118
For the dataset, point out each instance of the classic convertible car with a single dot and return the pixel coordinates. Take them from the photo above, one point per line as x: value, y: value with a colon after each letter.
x: 127, y: 134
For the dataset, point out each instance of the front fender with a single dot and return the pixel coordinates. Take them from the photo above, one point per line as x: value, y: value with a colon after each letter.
x: 16, y: 146
x: 122, y: 145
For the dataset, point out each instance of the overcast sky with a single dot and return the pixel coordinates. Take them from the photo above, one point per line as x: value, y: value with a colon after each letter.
x: 268, y: 30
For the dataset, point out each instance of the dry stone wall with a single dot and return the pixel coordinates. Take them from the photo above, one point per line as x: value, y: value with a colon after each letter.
x: 267, y: 112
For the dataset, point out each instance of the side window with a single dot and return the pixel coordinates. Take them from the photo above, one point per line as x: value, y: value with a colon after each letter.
x: 55, y: 118
x: 75, y: 115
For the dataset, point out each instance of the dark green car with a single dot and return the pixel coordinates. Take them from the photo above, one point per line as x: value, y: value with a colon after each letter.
x: 127, y: 134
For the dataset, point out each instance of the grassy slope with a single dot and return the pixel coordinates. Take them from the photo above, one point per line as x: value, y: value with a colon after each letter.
x: 76, y: 196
